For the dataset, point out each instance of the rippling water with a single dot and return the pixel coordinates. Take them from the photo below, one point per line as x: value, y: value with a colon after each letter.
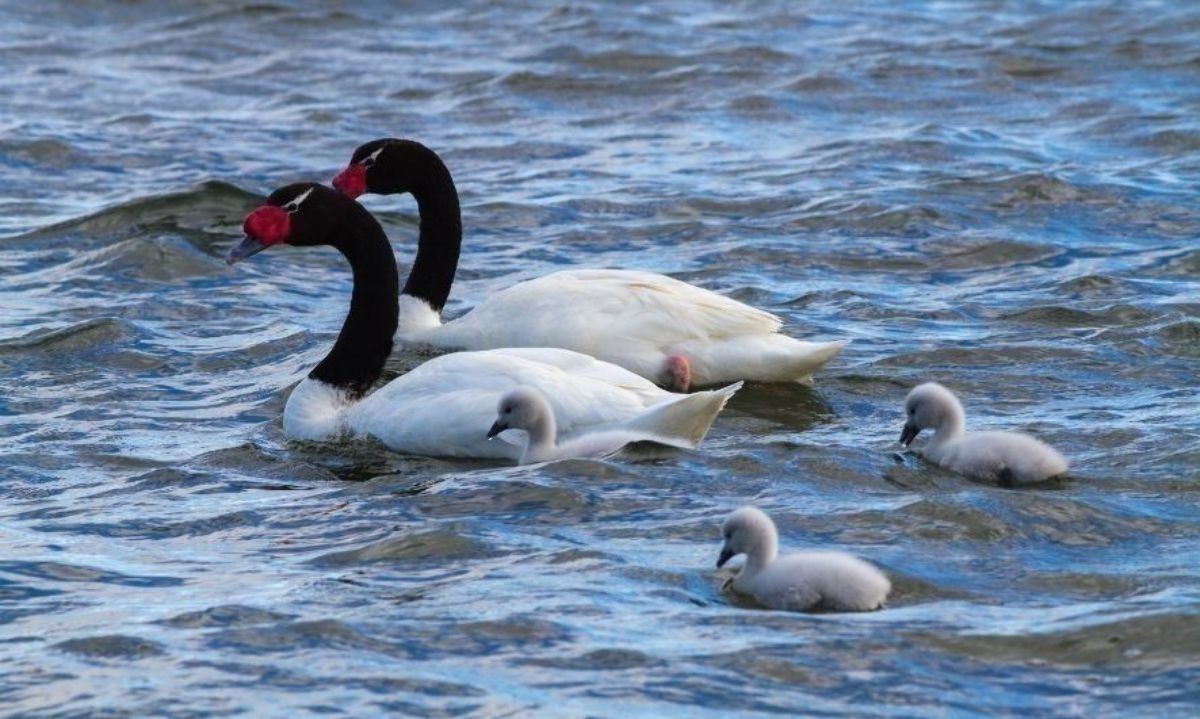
x: 1000, y: 196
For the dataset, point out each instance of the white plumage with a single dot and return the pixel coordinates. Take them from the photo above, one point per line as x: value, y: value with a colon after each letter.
x: 797, y: 581
x: 633, y: 319
x: 444, y: 407
x: 527, y: 409
x: 1006, y: 457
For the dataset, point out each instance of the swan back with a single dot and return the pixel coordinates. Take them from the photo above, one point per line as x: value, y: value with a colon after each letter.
x: 1005, y: 457
x: 445, y: 406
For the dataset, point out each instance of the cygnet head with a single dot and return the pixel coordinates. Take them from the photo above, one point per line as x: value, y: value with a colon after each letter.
x: 522, y: 408
x: 748, y: 531
x: 930, y: 406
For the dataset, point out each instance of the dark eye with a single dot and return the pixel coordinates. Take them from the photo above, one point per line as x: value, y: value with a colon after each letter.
x: 292, y: 207
x: 728, y: 535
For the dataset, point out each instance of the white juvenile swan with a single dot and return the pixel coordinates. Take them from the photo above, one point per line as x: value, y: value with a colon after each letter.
x: 800, y: 580
x: 525, y: 408
x: 665, y: 330
x: 442, y: 407
x: 1005, y: 457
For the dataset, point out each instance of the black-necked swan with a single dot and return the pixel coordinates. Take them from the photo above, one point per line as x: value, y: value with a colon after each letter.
x: 443, y: 407
x: 665, y: 330
x: 1005, y: 457
x: 797, y: 581
x: 527, y: 409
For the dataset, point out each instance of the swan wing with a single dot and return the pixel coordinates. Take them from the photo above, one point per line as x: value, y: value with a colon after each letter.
x: 1009, y: 456
x: 779, y: 587
x: 598, y: 305
x: 445, y: 406
x: 579, y: 365
x: 636, y: 319
x: 606, y: 443
x: 831, y: 580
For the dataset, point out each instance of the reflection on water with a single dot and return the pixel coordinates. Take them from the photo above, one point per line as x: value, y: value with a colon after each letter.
x: 1000, y: 198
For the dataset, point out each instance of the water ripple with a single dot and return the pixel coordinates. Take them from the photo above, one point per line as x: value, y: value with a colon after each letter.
x: 998, y: 197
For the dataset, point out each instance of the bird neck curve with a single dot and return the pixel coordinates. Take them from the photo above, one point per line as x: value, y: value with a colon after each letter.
x: 440, y: 240
x: 765, y: 553
x: 952, y: 426
x: 365, y: 340
x: 542, y: 432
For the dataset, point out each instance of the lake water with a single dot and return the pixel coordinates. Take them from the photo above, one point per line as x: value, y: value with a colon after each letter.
x: 1000, y: 196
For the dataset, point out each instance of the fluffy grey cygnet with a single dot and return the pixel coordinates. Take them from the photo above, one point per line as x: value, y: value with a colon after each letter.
x: 800, y: 580
x: 1006, y: 457
x: 527, y: 409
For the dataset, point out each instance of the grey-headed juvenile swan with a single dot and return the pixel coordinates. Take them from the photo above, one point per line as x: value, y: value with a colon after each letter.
x: 1005, y: 457
x: 799, y: 580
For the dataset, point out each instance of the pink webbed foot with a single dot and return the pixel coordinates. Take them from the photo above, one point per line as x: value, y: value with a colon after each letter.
x: 679, y: 373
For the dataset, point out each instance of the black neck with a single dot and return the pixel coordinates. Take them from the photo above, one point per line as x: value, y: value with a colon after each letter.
x: 365, y: 342
x: 441, y: 235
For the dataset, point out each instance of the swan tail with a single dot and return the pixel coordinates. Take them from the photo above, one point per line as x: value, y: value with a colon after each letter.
x: 759, y: 358
x: 685, y: 418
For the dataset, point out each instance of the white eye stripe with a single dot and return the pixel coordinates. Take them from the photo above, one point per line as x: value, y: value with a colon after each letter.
x: 370, y: 159
x: 295, y: 203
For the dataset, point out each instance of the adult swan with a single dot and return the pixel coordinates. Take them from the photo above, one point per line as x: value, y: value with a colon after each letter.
x: 445, y: 406
x: 667, y: 331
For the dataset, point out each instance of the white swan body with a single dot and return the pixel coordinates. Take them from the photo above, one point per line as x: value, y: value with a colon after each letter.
x: 797, y: 581
x: 633, y: 319
x: 443, y: 407
x: 1006, y: 457
x: 527, y: 409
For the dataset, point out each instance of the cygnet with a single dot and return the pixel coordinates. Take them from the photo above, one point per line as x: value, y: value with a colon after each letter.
x: 801, y: 580
x: 1005, y: 457
x: 525, y: 408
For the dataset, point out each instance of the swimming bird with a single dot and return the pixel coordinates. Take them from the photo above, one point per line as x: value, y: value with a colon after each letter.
x: 441, y: 408
x: 797, y: 581
x: 1005, y: 457
x: 525, y: 408
x: 667, y: 331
